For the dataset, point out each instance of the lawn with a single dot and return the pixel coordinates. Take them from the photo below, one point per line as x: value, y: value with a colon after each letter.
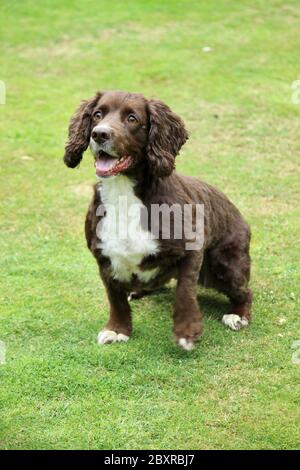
x: 58, y: 388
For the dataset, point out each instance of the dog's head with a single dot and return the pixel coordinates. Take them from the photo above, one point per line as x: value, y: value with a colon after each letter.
x: 125, y: 131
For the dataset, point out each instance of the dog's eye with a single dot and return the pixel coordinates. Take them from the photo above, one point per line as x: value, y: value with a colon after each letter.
x: 131, y: 118
x: 98, y: 115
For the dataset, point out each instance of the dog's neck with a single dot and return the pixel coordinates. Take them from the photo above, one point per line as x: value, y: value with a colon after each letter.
x: 114, y: 187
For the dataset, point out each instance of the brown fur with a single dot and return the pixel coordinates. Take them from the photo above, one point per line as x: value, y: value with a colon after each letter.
x: 154, y: 142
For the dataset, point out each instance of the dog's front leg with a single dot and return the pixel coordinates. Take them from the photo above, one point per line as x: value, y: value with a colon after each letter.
x: 186, y: 314
x: 118, y: 327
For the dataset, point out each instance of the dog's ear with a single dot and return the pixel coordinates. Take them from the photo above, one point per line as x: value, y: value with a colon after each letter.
x: 167, y: 134
x: 80, y: 131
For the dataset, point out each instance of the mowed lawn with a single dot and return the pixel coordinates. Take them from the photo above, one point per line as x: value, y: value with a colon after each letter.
x: 58, y: 388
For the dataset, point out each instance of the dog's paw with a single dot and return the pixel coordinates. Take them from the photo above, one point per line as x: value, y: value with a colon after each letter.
x: 132, y: 296
x: 185, y: 344
x: 234, y: 322
x: 187, y: 334
x: 109, y: 337
x: 135, y: 295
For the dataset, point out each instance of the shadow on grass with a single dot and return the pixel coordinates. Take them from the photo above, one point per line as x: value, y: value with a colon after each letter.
x: 210, y: 302
x: 152, y: 333
x: 154, y: 313
x: 213, y: 304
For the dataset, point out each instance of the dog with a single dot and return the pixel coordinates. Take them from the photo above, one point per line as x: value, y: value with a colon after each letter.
x: 134, y: 142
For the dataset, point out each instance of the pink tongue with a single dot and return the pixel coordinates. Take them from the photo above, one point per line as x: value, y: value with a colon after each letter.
x: 103, y: 164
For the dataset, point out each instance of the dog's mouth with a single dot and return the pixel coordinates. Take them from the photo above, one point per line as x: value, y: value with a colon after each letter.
x: 106, y: 165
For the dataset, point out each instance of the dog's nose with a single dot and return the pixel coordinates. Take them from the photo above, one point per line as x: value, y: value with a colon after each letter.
x: 101, y: 134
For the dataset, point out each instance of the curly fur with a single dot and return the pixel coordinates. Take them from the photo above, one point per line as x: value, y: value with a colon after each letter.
x: 79, y: 132
x: 223, y: 263
x: 167, y: 134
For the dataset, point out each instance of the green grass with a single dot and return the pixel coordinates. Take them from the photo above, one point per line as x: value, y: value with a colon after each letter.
x: 58, y: 389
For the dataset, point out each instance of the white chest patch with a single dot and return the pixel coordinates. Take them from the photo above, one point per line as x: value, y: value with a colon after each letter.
x: 123, y: 239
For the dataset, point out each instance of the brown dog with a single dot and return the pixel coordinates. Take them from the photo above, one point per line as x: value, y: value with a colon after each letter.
x: 135, y: 142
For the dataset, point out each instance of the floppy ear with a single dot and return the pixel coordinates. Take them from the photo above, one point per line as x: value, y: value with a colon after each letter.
x: 80, y: 131
x: 167, y: 134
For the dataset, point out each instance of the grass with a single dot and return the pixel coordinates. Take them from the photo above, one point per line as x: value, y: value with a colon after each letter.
x: 58, y: 389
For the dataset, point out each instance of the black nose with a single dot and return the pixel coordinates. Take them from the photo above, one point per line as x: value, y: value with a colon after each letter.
x: 101, y: 135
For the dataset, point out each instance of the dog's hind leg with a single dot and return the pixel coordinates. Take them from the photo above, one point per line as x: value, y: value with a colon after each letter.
x: 240, y: 310
x: 229, y: 264
x: 138, y: 294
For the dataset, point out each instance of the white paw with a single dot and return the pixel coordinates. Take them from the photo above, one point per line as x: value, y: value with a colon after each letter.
x: 134, y: 295
x: 109, y: 336
x: 122, y: 338
x: 185, y: 344
x: 235, y: 322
